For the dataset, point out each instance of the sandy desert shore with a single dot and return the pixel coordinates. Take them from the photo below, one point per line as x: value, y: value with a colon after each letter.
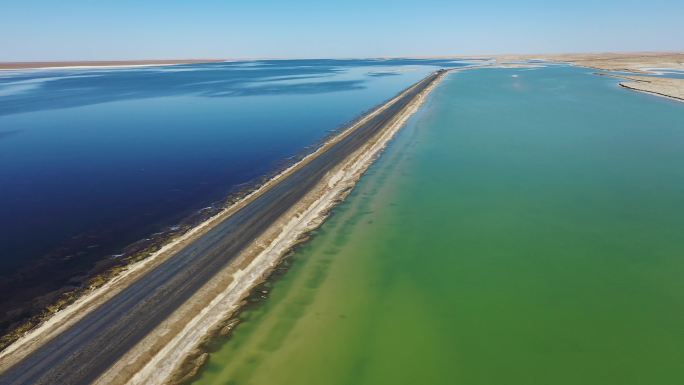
x: 666, y: 87
x: 637, y: 63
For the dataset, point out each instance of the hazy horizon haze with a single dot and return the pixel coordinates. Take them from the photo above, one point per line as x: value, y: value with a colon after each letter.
x: 39, y: 30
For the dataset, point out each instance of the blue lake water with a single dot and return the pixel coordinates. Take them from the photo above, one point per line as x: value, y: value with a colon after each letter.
x: 92, y: 160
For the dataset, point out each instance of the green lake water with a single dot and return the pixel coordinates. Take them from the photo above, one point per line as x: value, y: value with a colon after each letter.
x: 525, y: 228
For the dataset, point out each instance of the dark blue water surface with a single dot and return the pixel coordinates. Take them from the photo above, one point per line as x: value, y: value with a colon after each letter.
x: 92, y: 160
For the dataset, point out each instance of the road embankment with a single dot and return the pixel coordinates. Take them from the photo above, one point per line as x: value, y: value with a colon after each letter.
x: 141, y: 326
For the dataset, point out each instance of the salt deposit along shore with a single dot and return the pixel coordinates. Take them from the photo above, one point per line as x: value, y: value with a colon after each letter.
x: 141, y: 326
x: 13, y: 66
x: 636, y: 63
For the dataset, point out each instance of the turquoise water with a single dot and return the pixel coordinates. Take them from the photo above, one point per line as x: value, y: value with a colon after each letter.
x: 92, y: 160
x: 523, y: 229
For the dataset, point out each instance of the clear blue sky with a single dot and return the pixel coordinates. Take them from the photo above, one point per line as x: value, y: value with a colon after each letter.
x: 138, y: 29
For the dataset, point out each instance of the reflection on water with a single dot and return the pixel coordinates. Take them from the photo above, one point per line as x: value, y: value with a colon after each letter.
x: 46, y: 89
x: 92, y: 160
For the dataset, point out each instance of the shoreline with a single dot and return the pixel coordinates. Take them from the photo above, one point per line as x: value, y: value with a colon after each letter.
x: 191, y: 366
x: 85, y: 64
x: 168, y: 247
x: 62, y: 319
x: 152, y: 244
x: 184, y: 354
x: 664, y: 87
x: 631, y: 86
x: 637, y: 63
x: 362, y: 292
x: 180, y: 241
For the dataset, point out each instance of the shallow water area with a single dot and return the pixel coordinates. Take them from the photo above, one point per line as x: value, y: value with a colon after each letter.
x: 524, y: 228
